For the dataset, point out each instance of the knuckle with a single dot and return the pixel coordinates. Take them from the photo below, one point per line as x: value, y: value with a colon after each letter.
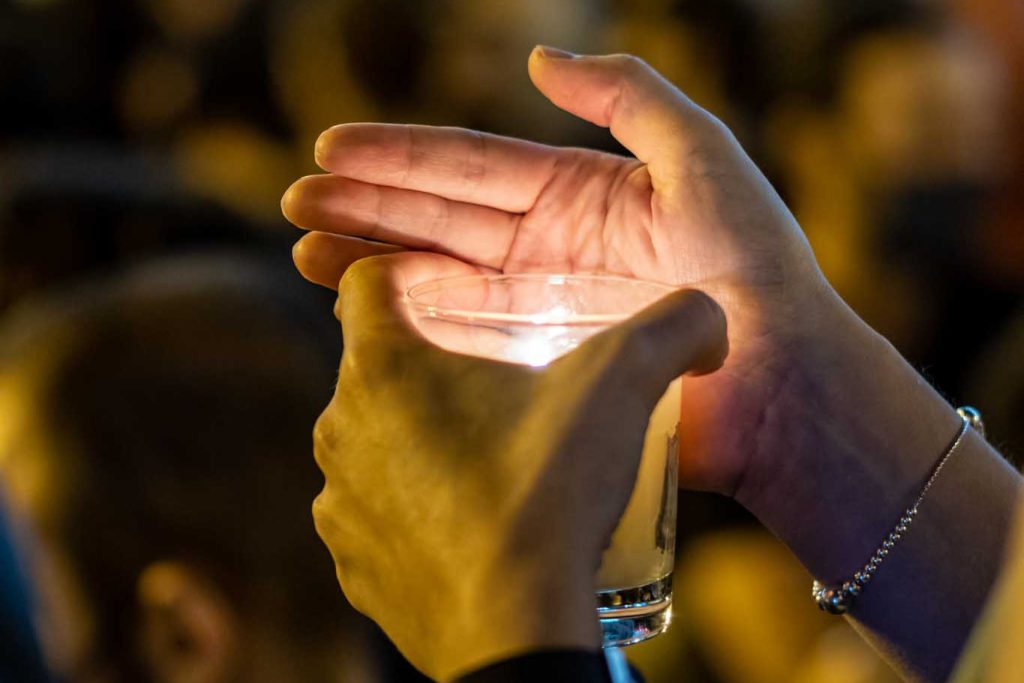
x: 717, y: 134
x: 331, y: 522
x: 343, y: 546
x: 324, y: 440
x: 438, y: 219
x: 359, y: 277
x: 321, y: 517
x: 630, y: 66
x: 356, y: 273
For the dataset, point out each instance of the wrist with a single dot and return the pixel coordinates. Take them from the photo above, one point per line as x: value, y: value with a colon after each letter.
x: 850, y: 436
x: 848, y: 444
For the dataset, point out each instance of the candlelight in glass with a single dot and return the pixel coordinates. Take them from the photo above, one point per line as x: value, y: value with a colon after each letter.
x: 532, y: 319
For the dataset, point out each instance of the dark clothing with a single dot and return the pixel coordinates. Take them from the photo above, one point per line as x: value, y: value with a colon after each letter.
x: 564, y: 666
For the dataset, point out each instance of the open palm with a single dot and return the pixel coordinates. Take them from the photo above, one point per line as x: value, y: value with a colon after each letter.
x: 691, y: 209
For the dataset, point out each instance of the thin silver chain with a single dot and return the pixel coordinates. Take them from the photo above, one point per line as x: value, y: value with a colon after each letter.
x: 838, y: 598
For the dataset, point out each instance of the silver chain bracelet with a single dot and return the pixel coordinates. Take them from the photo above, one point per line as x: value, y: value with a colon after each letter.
x: 839, y: 598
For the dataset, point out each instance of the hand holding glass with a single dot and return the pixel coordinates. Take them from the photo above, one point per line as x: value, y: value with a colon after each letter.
x: 532, y: 319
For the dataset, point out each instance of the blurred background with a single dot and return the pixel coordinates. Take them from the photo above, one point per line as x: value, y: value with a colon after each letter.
x: 139, y: 130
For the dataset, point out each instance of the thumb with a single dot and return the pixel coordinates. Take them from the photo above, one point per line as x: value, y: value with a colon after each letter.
x: 646, y: 113
x: 683, y: 333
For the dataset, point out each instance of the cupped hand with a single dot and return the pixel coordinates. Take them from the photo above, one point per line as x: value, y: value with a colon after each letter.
x: 459, y: 501
x: 815, y: 423
x: 691, y: 209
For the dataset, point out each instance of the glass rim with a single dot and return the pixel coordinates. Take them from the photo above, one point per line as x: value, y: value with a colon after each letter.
x: 459, y: 314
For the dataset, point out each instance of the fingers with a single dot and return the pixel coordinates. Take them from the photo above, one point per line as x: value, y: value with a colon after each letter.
x: 455, y: 163
x: 683, y: 333
x: 646, y: 113
x: 413, y: 219
x: 322, y: 258
x: 371, y: 304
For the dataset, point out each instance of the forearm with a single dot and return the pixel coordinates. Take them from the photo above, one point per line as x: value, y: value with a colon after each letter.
x: 862, y: 431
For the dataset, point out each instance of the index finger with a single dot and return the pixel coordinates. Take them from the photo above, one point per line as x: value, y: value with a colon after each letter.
x: 455, y: 163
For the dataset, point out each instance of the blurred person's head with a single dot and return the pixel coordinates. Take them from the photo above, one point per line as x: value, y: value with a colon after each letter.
x: 688, y: 52
x: 157, y: 438
x: 479, y: 62
x: 452, y: 62
x: 891, y: 177
x: 924, y: 105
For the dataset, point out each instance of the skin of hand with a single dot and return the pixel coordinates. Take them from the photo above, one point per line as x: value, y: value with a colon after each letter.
x: 690, y: 210
x: 815, y: 423
x: 459, y: 504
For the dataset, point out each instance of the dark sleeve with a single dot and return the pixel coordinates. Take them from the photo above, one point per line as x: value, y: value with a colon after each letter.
x: 565, y: 666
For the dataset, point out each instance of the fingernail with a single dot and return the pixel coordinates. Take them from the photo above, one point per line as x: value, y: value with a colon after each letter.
x: 554, y: 53
x: 320, y: 148
x: 288, y: 204
x: 299, y: 251
x: 286, y: 199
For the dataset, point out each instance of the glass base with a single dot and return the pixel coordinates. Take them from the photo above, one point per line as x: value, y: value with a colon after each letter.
x: 632, y: 615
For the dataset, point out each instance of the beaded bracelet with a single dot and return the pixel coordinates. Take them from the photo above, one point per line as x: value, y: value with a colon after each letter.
x: 839, y: 598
